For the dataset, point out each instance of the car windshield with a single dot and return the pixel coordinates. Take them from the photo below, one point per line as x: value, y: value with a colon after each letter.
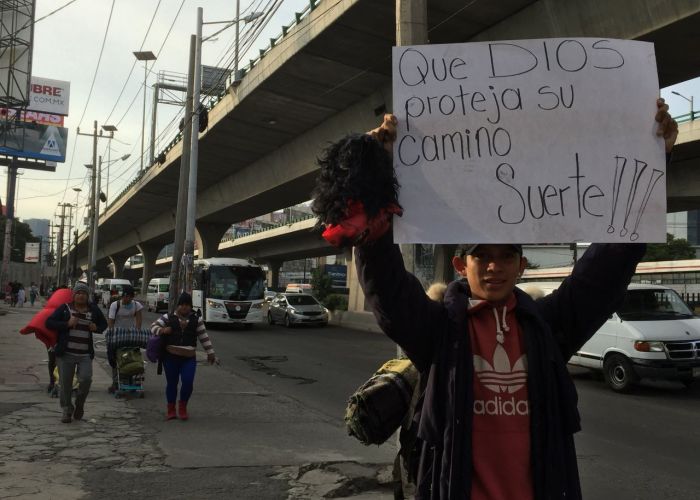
x: 653, y: 305
x: 301, y: 300
x: 236, y: 283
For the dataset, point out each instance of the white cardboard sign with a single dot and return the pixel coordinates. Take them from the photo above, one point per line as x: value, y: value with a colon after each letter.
x: 530, y: 141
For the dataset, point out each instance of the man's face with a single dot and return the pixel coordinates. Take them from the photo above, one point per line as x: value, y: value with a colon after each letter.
x: 126, y: 299
x: 184, y: 309
x: 491, y: 271
x: 80, y: 298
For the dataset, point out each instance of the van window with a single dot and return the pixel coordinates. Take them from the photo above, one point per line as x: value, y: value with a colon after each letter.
x: 653, y: 305
x: 152, y: 289
x: 163, y: 287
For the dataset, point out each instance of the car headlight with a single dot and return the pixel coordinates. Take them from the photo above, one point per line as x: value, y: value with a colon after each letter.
x: 644, y: 346
x: 257, y: 305
x: 214, y: 305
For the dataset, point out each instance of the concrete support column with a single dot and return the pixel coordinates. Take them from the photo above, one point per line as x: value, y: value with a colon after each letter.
x: 273, y: 277
x: 442, y: 258
x: 207, y: 238
x: 356, y: 298
x: 118, y: 261
x: 150, y: 253
x: 102, y: 267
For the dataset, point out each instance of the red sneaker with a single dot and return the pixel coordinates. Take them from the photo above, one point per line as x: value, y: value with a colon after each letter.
x: 182, y: 410
x: 171, y: 412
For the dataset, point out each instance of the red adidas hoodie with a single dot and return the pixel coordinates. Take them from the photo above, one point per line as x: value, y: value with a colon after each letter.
x: 501, y: 431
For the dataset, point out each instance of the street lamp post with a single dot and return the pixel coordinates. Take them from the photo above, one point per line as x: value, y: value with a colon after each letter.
x: 75, y: 239
x: 144, y: 56
x: 235, y: 22
x: 98, y: 195
x: 690, y: 100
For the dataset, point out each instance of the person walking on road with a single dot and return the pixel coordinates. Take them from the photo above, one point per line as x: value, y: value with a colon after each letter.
x: 75, y: 323
x: 21, y: 296
x: 33, y: 293
x: 123, y: 313
x: 179, y: 333
x: 499, y: 410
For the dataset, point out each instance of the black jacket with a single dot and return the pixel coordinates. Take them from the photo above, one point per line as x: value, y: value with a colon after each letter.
x: 435, y: 337
x: 59, y: 321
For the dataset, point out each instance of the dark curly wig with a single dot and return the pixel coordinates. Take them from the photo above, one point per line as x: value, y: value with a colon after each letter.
x: 356, y: 168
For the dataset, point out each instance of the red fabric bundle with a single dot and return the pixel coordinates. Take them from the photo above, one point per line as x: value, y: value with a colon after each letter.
x: 356, y: 228
x: 37, y: 325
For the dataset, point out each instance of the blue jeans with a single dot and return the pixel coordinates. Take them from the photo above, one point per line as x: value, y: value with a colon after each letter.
x: 179, y: 368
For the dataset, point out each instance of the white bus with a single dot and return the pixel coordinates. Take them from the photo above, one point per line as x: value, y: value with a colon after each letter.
x: 228, y: 291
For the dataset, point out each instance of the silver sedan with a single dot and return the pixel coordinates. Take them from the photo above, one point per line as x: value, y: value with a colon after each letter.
x: 296, y: 309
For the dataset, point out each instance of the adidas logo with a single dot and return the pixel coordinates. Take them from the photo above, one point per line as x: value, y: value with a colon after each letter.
x: 501, y: 377
x: 501, y: 406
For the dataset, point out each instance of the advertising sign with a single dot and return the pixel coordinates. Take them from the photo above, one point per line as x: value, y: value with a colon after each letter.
x: 338, y: 273
x: 17, y: 34
x: 32, y: 116
x: 49, y: 96
x: 31, y: 252
x: 34, y: 140
x: 529, y: 141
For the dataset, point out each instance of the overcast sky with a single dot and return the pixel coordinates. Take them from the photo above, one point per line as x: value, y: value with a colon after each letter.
x: 67, y: 46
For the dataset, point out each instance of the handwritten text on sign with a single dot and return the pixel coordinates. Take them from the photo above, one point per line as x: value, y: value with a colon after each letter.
x: 528, y: 141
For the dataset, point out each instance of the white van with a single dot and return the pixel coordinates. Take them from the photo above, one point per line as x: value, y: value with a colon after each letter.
x: 158, y: 295
x: 652, y: 335
x: 106, y: 286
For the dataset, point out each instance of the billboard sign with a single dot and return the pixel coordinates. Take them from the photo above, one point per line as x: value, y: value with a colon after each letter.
x: 17, y: 34
x: 49, y: 96
x: 31, y: 252
x: 32, y: 116
x: 338, y: 273
x: 214, y: 80
x: 34, y: 140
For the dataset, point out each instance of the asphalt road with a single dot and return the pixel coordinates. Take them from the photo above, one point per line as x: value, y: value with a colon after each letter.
x: 638, y: 446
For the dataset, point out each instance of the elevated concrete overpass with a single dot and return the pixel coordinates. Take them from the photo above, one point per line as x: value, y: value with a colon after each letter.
x: 329, y: 75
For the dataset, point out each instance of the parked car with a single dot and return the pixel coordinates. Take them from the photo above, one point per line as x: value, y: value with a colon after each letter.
x: 653, y: 335
x: 158, y: 295
x: 296, y: 309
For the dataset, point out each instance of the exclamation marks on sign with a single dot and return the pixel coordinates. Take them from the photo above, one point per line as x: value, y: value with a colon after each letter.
x: 640, y: 168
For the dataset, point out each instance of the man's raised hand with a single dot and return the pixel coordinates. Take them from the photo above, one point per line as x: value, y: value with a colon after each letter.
x: 386, y: 132
x: 668, y: 128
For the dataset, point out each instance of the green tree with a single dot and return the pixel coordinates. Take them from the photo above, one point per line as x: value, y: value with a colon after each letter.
x: 322, y: 284
x: 673, y: 249
x: 22, y: 235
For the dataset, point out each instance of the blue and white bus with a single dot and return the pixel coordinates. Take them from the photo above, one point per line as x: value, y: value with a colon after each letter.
x: 228, y: 291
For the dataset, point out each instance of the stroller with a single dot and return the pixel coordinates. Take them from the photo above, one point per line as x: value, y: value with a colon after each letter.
x: 124, y: 353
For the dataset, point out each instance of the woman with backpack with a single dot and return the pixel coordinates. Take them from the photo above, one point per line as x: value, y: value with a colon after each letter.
x: 179, y: 333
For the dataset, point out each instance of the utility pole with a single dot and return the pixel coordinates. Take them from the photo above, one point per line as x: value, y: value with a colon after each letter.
x: 59, y: 245
x: 10, y: 200
x: 94, y: 197
x: 70, y: 228
x: 181, y: 211
x: 411, y: 29
x: 194, y: 156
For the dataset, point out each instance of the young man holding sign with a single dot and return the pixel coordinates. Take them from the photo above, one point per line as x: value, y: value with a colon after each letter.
x: 499, y: 411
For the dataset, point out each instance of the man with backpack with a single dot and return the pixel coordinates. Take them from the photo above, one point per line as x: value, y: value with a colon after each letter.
x: 123, y: 313
x: 75, y: 323
x: 499, y: 410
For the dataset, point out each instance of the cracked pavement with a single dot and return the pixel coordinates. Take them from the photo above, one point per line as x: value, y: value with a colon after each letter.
x: 242, y: 441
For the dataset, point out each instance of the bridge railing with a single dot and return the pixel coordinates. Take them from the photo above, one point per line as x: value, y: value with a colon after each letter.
x: 688, y: 117
x: 232, y: 237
